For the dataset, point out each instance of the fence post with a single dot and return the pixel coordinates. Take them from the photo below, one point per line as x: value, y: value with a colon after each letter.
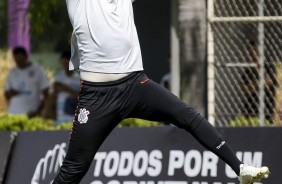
x: 211, y: 62
x: 175, y: 50
x: 261, y: 65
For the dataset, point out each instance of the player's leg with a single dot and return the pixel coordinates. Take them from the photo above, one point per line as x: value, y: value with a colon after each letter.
x: 158, y: 104
x: 84, y: 143
x: 95, y: 118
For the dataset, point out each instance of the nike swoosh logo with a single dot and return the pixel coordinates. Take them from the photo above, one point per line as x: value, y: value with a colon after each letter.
x: 144, y: 81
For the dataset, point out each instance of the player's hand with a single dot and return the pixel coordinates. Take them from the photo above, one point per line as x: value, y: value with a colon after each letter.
x: 13, y: 93
x: 65, y: 88
x: 10, y: 94
x: 32, y: 114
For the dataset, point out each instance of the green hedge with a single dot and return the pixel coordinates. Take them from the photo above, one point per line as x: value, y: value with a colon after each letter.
x: 244, y: 121
x: 23, y: 123
x: 132, y: 122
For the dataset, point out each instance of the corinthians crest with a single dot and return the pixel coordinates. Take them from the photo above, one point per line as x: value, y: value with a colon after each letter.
x: 83, y: 116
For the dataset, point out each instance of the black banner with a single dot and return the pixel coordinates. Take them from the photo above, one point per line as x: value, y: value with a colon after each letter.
x: 147, y: 156
x: 6, y: 141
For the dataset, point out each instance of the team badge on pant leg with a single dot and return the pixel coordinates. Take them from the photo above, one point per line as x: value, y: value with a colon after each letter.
x: 83, y: 116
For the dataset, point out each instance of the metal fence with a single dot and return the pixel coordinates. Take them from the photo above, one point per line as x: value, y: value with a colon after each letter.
x: 244, y: 62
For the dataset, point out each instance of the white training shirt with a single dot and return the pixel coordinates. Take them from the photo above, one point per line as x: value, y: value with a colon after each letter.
x: 29, y: 82
x: 104, y: 38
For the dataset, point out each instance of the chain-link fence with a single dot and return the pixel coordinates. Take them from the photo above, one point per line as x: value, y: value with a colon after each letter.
x: 244, y: 62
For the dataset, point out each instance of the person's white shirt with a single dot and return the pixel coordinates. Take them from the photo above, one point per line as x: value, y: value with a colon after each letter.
x: 29, y: 82
x: 73, y: 82
x: 104, y: 38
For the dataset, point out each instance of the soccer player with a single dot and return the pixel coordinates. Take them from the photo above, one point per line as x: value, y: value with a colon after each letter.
x: 114, y: 87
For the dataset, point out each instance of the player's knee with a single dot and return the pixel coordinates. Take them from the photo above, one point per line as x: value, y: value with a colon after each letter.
x: 187, y: 118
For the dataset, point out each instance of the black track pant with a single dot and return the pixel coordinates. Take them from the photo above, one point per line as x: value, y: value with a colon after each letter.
x: 103, y: 105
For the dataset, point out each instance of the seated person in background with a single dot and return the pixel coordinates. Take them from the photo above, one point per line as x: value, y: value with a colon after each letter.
x: 66, y: 88
x: 27, y: 85
x: 250, y: 85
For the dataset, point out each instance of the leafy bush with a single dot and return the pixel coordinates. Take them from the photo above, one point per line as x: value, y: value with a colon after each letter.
x: 23, y: 123
x: 244, y: 121
x: 132, y: 122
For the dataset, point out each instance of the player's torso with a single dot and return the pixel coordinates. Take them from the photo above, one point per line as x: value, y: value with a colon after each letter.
x: 105, y: 25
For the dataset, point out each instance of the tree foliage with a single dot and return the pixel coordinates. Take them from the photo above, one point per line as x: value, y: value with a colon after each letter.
x: 3, y: 23
x: 49, y: 23
x: 40, y: 13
